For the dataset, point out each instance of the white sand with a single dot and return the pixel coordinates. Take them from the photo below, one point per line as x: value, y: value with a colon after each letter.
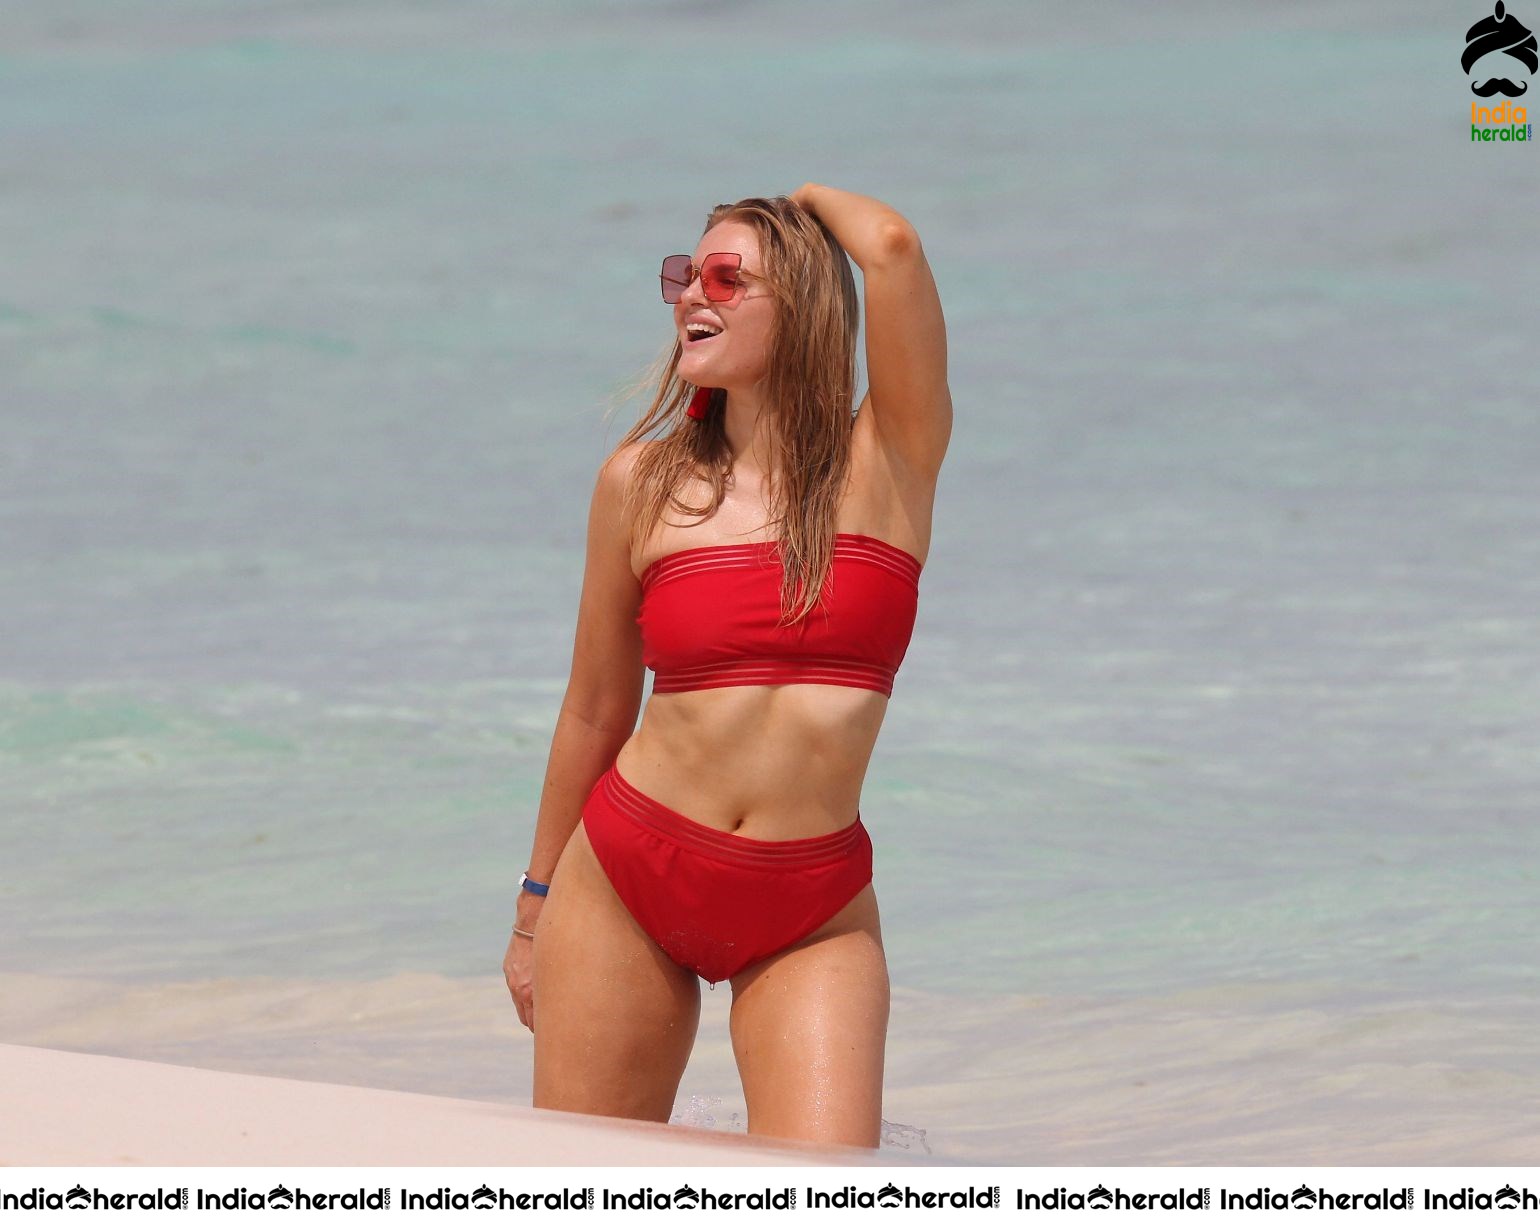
x: 74, y: 1109
x: 1234, y: 1075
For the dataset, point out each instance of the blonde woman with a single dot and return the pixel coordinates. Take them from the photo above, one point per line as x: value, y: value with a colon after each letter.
x: 762, y: 555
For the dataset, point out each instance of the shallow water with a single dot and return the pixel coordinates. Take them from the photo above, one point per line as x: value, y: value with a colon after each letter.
x: 1225, y: 686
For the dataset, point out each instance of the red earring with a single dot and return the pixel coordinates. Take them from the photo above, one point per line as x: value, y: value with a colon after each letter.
x: 700, y: 403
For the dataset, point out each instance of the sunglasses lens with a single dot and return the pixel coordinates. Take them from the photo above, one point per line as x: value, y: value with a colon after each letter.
x: 719, y: 277
x: 676, y: 277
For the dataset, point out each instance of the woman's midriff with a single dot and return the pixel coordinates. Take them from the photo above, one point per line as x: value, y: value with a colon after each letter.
x: 764, y: 762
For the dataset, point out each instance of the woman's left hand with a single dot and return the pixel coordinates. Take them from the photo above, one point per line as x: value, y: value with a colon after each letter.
x: 519, y: 961
x: 802, y: 196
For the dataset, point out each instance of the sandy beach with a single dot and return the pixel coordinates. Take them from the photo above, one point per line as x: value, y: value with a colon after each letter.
x: 78, y: 1110
x: 1269, y: 1075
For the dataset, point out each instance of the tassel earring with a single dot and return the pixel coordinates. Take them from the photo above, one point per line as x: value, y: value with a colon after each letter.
x: 700, y: 403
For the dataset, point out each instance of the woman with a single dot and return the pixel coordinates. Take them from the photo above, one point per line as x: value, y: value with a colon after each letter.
x: 722, y: 838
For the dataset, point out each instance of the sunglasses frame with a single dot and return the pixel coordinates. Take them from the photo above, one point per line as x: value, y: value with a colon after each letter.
x: 739, y: 275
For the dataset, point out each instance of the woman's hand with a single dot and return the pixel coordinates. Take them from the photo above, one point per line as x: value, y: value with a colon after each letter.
x: 519, y: 962
x: 803, y: 196
x: 862, y: 225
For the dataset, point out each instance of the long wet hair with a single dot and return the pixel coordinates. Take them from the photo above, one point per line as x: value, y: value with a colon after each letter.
x: 809, y: 391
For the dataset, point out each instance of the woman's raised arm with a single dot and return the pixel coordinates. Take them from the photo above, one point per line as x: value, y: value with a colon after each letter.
x: 905, y: 331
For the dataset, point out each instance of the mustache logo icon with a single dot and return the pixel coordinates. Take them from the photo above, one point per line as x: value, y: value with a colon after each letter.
x: 1500, y: 85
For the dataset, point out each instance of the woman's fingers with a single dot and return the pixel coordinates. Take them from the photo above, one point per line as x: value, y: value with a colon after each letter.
x: 517, y: 975
x: 510, y: 969
x: 524, y: 992
x: 524, y: 1002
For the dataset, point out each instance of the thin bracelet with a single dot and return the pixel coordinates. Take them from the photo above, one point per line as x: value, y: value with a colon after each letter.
x: 523, y: 932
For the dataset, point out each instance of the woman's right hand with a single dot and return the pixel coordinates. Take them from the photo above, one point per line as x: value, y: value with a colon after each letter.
x: 519, y: 962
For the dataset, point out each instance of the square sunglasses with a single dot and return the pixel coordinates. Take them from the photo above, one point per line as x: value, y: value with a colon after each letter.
x: 720, y: 275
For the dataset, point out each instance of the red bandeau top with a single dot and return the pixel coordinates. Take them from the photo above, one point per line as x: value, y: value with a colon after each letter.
x: 708, y: 618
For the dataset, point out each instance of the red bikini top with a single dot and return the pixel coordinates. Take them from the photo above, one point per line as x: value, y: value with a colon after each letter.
x: 708, y: 618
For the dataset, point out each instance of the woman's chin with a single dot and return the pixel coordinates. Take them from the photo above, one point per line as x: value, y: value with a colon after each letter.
x: 696, y: 371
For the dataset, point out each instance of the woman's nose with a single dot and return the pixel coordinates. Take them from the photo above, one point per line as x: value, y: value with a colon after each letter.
x: 694, y: 291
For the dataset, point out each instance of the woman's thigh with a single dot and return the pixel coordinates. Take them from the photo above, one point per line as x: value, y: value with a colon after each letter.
x: 809, y: 1029
x: 615, y: 1018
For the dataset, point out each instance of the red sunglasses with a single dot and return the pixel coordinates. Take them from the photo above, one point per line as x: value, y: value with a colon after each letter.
x: 720, y: 274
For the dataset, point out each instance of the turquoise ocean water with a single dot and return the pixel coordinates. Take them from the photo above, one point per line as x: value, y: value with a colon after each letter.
x: 1205, y: 809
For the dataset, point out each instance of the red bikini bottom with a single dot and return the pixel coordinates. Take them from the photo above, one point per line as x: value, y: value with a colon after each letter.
x: 717, y: 902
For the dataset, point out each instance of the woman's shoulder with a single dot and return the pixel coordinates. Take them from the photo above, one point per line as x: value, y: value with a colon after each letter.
x: 615, y: 487
x: 617, y: 468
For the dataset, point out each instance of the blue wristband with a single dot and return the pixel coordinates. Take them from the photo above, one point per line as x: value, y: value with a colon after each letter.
x: 533, y: 887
